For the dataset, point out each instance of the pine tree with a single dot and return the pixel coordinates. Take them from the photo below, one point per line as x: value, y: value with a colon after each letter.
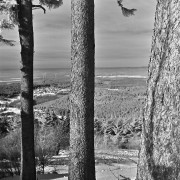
x: 20, y: 13
x: 82, y: 162
x: 159, y: 158
x: 25, y: 26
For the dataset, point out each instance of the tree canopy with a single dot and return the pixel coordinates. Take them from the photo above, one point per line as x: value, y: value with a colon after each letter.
x: 9, y: 12
x: 125, y: 11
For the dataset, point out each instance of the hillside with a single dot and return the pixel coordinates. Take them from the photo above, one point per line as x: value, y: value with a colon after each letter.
x: 124, y: 102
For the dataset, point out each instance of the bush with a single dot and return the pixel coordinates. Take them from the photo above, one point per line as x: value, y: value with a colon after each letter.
x: 134, y: 143
x: 62, y: 135
x: 45, y: 147
x: 10, y: 154
x: 4, y: 126
x: 60, y: 127
x: 50, y: 137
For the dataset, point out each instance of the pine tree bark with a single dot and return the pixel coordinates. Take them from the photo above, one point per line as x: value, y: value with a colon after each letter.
x: 160, y: 150
x: 28, y: 171
x: 82, y: 163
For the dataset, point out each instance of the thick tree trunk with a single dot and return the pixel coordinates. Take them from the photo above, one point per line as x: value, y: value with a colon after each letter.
x: 28, y: 171
x: 82, y: 163
x: 160, y: 151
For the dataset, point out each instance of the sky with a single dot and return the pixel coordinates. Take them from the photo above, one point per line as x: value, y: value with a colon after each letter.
x: 119, y: 41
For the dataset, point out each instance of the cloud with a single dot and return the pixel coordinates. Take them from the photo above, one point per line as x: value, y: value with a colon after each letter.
x: 123, y: 40
x: 120, y: 41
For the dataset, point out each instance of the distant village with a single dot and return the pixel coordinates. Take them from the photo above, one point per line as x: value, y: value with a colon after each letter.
x: 40, y: 113
x: 49, y: 91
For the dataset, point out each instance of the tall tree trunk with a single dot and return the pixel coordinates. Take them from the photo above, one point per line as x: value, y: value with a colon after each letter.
x: 160, y: 151
x: 28, y: 171
x: 82, y: 163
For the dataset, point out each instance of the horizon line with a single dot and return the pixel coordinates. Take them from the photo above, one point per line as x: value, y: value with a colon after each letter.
x: 70, y: 67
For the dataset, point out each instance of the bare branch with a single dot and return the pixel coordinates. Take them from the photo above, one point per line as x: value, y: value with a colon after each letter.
x: 7, y: 42
x: 119, y: 175
x: 39, y: 7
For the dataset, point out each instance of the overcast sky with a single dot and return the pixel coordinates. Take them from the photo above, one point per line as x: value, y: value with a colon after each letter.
x: 120, y: 41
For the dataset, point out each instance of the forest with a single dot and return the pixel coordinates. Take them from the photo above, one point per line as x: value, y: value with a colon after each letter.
x: 88, y: 124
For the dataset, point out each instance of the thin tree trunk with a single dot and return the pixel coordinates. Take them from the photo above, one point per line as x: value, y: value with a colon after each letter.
x: 160, y: 151
x: 82, y: 163
x: 28, y: 171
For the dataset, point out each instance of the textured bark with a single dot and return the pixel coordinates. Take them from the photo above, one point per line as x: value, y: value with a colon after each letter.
x: 82, y: 163
x: 160, y: 151
x: 28, y: 171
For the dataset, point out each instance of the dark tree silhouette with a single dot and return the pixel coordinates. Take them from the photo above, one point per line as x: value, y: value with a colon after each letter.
x: 28, y: 171
x: 25, y: 27
x: 21, y: 15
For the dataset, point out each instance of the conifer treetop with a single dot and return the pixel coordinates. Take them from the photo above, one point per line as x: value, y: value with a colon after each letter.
x: 9, y: 11
x: 125, y: 11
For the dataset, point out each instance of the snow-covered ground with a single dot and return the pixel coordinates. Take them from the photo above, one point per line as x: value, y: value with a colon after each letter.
x: 14, y: 110
x: 9, y: 100
x: 104, y: 171
x: 49, y: 91
x: 6, y: 109
x: 113, y: 89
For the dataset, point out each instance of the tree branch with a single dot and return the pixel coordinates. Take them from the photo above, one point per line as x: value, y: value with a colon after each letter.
x: 7, y: 42
x: 39, y: 6
x: 125, y: 11
x: 124, y: 177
